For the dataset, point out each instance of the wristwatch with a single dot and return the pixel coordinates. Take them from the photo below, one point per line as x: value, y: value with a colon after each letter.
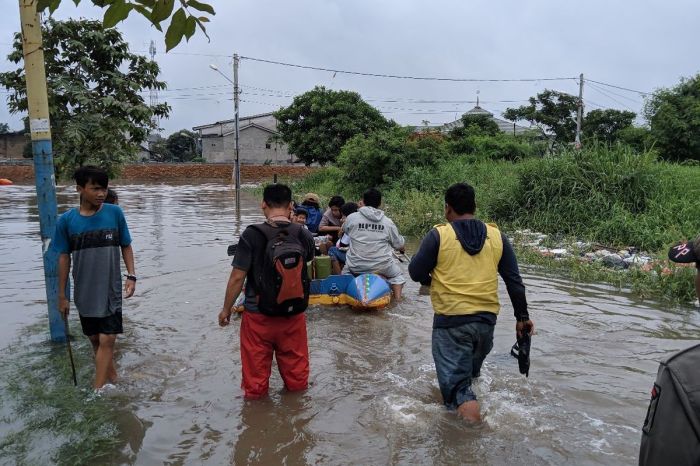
x: 130, y: 277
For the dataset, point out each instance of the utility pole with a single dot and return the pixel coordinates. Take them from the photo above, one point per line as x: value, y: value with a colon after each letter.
x: 40, y: 129
x: 237, y: 166
x: 579, y: 115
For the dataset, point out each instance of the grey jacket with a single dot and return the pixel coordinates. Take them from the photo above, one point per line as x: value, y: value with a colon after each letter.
x: 373, y: 236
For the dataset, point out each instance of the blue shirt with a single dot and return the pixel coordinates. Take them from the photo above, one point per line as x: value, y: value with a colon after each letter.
x: 94, y: 244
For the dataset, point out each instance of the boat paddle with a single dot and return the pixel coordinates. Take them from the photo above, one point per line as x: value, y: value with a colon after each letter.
x: 70, y: 350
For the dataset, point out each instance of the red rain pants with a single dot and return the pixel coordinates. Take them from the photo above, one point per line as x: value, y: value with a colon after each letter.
x: 261, y: 337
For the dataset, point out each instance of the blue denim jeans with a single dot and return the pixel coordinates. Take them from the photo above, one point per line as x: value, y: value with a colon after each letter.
x: 459, y: 353
x: 337, y: 255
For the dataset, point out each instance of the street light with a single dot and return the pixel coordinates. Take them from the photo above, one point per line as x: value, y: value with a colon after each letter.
x: 237, y: 165
x: 216, y: 68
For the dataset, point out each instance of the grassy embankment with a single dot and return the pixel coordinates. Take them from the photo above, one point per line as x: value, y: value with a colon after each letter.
x: 613, y: 197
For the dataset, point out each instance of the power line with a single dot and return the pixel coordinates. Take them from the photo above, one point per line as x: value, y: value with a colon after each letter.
x: 394, y: 76
x: 631, y: 99
x: 618, y: 87
x: 603, y: 93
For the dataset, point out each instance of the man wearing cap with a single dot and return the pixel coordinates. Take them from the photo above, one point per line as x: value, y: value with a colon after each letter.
x: 312, y: 203
x: 686, y: 253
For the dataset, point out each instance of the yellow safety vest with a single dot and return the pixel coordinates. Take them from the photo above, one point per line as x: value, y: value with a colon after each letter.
x: 462, y: 283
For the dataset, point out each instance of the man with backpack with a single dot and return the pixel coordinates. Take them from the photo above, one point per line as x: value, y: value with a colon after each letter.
x: 272, y: 256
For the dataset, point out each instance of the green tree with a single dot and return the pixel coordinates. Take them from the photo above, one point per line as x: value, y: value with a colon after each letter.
x: 605, y: 125
x: 182, y: 146
x: 674, y: 118
x: 319, y: 122
x: 184, y: 23
x: 637, y: 137
x: 552, y: 111
x: 380, y: 157
x: 475, y: 125
x: 94, y: 83
x: 4, y: 128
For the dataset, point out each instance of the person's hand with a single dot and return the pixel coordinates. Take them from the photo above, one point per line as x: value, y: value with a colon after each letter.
x: 129, y: 288
x: 225, y: 317
x: 63, y: 305
x: 526, y: 325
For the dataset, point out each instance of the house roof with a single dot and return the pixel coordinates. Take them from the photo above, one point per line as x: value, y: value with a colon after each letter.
x: 225, y: 122
x: 504, y: 125
x: 252, y: 125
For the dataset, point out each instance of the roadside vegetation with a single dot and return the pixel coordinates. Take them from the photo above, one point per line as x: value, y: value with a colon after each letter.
x: 623, y: 189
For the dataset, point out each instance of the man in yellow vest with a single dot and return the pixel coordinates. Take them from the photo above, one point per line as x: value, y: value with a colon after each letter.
x: 460, y: 261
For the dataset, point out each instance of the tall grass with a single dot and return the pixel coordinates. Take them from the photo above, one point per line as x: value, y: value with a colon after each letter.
x: 609, y: 195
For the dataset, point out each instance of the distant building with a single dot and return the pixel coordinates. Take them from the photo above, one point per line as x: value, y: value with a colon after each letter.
x: 145, y: 154
x: 504, y: 125
x: 12, y: 144
x: 256, y: 141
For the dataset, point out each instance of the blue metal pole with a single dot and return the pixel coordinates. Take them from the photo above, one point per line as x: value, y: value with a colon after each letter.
x: 38, y: 106
x: 48, y: 210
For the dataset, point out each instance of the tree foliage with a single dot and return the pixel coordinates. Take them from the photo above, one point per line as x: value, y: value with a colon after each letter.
x: 674, y: 118
x: 4, y: 128
x: 475, y: 125
x: 181, y: 146
x: 552, y: 111
x: 605, y: 125
x: 374, y: 159
x: 319, y: 122
x: 94, y: 83
x: 184, y: 22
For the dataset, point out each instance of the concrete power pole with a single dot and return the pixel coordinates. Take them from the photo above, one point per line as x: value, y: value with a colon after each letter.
x: 579, y: 115
x: 40, y: 129
x: 237, y: 166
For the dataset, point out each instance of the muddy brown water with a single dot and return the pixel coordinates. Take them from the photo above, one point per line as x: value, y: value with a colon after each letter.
x: 373, y: 397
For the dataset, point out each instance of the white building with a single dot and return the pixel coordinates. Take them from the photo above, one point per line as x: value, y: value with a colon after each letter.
x: 257, y: 141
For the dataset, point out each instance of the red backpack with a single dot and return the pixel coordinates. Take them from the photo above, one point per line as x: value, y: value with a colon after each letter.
x: 281, y: 282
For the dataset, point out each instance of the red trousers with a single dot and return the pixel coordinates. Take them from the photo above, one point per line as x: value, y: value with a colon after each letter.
x: 263, y: 336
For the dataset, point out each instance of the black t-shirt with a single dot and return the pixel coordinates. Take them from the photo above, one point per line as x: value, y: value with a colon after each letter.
x: 250, y: 254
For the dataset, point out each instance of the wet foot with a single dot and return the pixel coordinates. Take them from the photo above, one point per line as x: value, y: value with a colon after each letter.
x: 469, y: 412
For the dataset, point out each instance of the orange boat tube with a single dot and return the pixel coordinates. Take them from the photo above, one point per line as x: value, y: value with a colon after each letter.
x: 5, y: 182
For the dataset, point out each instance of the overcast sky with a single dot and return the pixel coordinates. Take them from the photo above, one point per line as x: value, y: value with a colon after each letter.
x: 639, y: 45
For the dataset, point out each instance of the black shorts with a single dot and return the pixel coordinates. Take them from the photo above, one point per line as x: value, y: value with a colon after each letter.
x: 108, y: 325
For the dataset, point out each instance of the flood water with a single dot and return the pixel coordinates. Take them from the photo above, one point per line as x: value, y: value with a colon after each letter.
x: 373, y: 397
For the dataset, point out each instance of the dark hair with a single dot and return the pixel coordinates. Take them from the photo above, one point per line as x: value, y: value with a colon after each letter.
x: 277, y: 195
x: 349, y: 208
x: 87, y: 173
x: 336, y: 201
x: 372, y: 198
x: 461, y: 198
x: 111, y: 196
x: 301, y: 211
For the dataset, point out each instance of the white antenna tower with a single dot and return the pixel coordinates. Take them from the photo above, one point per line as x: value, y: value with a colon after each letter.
x: 154, y: 91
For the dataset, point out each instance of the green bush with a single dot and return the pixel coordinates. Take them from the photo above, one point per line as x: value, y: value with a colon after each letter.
x: 380, y: 157
x: 498, y: 147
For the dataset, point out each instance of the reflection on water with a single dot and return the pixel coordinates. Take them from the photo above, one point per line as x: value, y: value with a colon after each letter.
x: 373, y: 397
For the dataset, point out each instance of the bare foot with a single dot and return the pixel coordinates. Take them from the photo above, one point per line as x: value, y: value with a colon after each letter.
x: 469, y: 412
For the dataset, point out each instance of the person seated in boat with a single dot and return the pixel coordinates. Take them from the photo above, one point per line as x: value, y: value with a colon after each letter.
x: 373, y: 238
x: 331, y: 221
x: 339, y: 251
x: 300, y: 216
x: 311, y: 203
